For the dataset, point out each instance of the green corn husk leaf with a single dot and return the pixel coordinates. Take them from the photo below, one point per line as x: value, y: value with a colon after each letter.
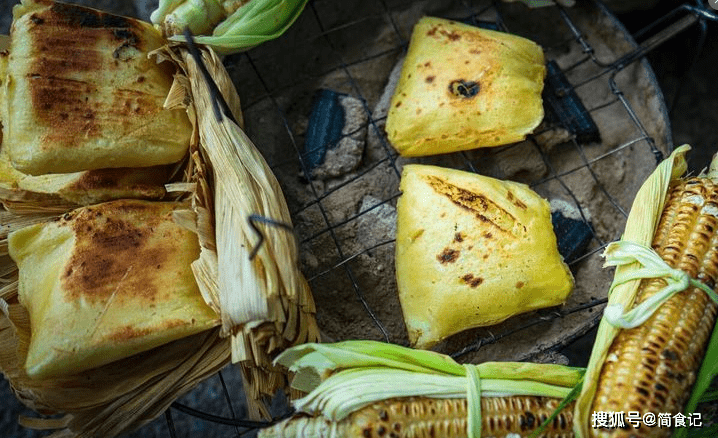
x: 344, y: 377
x: 570, y: 398
x: 228, y: 27
x: 640, y: 228
x: 709, y: 396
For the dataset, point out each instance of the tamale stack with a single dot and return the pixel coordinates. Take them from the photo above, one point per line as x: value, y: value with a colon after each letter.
x: 44, y: 97
x: 221, y: 182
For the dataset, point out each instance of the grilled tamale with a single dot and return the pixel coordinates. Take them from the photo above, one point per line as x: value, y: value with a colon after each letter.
x: 81, y: 92
x: 104, y: 282
x: 472, y: 251
x: 79, y: 188
x: 462, y: 87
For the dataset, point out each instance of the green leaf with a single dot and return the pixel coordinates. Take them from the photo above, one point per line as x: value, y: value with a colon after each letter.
x: 706, y: 375
x: 253, y: 23
x: 709, y: 396
x: 473, y: 395
x: 573, y: 395
x: 703, y: 432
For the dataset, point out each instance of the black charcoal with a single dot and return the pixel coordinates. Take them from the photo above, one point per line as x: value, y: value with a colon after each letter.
x: 484, y: 24
x: 336, y: 135
x: 324, y: 131
x: 572, y: 235
x: 564, y: 107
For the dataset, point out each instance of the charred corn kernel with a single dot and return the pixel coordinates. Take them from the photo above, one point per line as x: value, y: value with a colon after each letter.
x: 423, y: 417
x: 651, y: 368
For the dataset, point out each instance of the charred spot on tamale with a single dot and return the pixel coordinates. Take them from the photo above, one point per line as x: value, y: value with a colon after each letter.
x: 485, y: 209
x: 129, y: 332
x: 109, y: 250
x: 103, y: 179
x: 448, y: 255
x: 471, y: 280
x: 120, y: 281
x: 86, y: 104
x: 65, y: 103
x: 463, y: 88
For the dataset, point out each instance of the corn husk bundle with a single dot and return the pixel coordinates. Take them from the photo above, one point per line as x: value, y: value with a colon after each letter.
x: 264, y: 304
x: 369, y: 388
x: 661, y: 306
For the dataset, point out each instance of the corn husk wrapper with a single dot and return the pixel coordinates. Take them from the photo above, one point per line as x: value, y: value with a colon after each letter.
x: 228, y: 26
x: 640, y: 228
x: 264, y: 302
x: 344, y: 377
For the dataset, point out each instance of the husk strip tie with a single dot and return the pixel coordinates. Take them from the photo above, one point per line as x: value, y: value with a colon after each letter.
x: 623, y: 253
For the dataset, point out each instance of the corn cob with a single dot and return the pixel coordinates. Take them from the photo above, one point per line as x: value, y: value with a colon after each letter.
x: 651, y: 368
x: 419, y: 417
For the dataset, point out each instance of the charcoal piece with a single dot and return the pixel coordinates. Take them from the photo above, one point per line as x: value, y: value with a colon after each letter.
x: 324, y: 131
x: 565, y: 108
x: 484, y: 24
x: 572, y: 235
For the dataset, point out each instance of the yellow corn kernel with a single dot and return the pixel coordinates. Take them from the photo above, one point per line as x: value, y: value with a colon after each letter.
x: 423, y: 417
x: 652, y: 368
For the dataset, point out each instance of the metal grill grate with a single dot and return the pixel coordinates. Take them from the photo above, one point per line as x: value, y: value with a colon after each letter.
x: 277, y: 98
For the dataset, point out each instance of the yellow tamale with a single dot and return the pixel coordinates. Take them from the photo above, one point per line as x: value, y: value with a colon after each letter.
x: 80, y: 92
x: 472, y: 251
x: 103, y: 282
x: 80, y: 188
x: 462, y: 87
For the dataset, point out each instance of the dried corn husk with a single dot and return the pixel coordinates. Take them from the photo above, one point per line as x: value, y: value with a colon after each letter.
x: 640, y: 228
x: 265, y: 303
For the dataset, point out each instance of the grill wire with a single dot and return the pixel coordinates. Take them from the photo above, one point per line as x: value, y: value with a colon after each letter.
x: 691, y: 14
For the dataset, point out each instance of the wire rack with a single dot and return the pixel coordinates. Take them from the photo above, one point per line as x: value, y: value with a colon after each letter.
x: 277, y: 95
x: 265, y: 101
x: 271, y: 90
